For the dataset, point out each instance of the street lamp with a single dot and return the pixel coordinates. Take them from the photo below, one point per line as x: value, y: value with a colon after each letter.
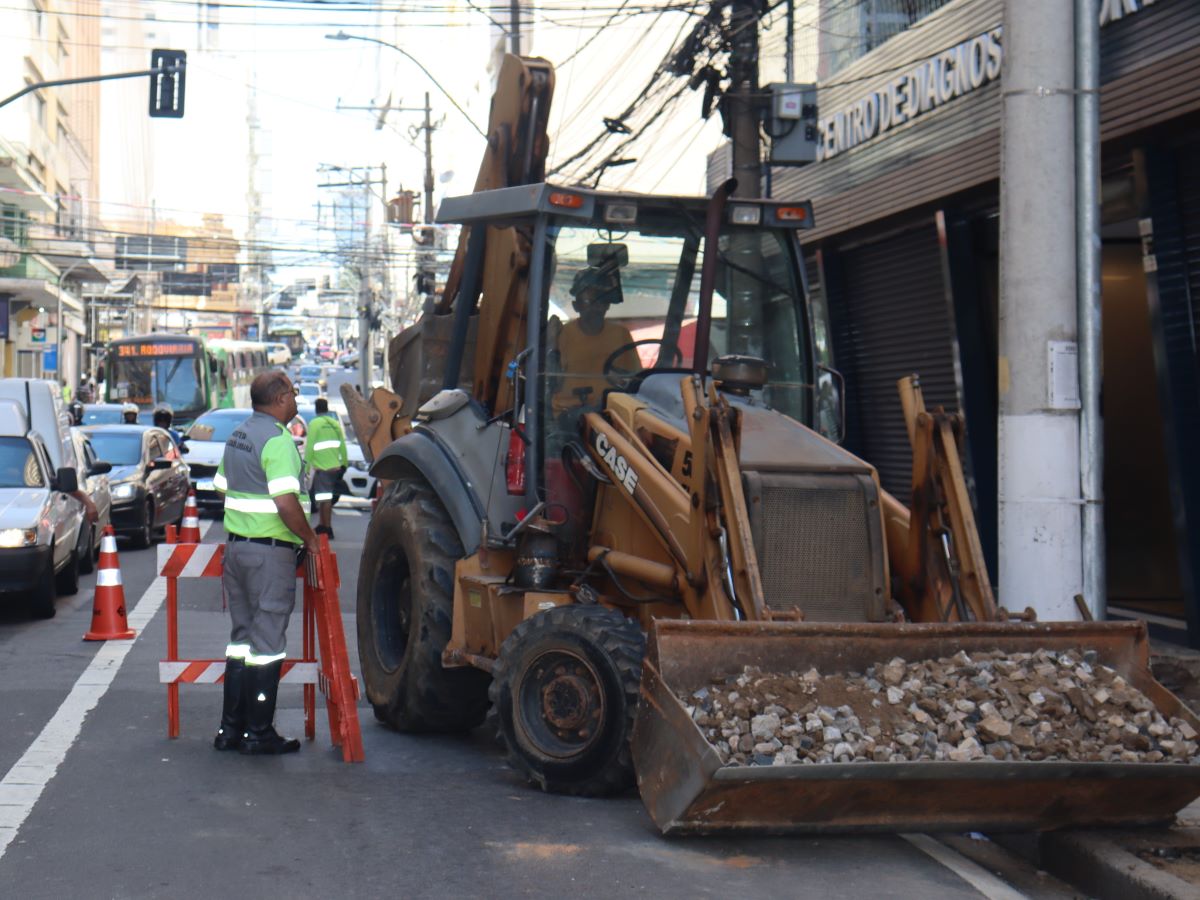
x: 342, y: 36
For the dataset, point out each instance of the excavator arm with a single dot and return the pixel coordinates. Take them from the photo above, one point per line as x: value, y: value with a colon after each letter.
x: 517, y: 146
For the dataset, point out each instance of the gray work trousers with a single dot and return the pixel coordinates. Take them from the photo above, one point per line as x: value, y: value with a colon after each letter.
x: 260, y: 587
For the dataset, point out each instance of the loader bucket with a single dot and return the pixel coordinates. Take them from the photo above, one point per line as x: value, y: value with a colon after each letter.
x: 687, y: 790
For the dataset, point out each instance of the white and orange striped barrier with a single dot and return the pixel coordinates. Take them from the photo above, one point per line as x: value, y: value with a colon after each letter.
x: 322, y: 621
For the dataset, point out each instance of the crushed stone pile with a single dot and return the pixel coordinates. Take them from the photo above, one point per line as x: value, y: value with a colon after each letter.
x: 992, y: 705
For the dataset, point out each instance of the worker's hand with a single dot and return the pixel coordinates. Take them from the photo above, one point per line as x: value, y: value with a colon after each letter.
x: 312, y: 543
x: 89, y: 508
x: 553, y: 331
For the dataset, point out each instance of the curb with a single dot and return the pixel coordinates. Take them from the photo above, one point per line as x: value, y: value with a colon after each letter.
x: 1102, y: 863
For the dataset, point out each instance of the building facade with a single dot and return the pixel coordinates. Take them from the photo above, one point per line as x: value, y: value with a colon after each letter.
x: 49, y: 179
x: 906, y: 253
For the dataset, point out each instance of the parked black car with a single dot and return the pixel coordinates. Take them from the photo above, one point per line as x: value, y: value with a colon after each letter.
x: 149, y: 478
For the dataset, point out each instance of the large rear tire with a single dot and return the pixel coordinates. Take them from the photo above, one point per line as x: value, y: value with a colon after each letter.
x: 564, y: 691
x: 405, y: 611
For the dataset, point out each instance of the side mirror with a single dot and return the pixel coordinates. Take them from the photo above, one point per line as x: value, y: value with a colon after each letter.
x: 66, y: 480
x: 100, y: 467
x: 183, y: 447
x: 158, y: 464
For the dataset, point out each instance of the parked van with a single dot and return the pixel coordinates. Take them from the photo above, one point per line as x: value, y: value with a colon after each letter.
x: 41, y: 524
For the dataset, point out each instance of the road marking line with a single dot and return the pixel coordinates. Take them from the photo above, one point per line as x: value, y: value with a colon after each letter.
x: 969, y: 871
x: 23, y: 784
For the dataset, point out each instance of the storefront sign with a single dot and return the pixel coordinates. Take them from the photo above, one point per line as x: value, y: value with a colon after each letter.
x: 960, y: 70
x: 952, y: 73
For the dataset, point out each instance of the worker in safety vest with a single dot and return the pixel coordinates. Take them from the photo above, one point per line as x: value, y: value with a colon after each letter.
x: 269, y: 534
x: 325, y: 453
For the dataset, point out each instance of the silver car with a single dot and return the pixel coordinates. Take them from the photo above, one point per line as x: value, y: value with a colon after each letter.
x: 40, y: 522
x: 93, y: 481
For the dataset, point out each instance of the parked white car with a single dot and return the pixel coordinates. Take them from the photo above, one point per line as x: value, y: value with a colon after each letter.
x: 40, y: 522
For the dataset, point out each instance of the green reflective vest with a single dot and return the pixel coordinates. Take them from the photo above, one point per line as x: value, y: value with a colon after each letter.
x: 325, y: 446
x: 260, y: 462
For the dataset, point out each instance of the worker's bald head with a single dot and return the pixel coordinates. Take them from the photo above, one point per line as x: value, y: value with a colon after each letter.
x: 267, y: 388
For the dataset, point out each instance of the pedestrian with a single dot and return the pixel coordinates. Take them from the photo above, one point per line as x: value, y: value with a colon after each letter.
x: 325, y: 453
x: 269, y: 535
x: 163, y: 417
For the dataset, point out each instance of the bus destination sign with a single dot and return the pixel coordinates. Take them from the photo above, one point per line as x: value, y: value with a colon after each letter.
x: 156, y: 349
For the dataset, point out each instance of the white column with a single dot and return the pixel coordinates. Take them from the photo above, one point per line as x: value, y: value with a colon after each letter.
x: 1040, y: 502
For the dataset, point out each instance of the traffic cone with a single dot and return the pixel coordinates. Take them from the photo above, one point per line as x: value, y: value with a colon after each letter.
x: 189, y: 532
x: 108, y: 605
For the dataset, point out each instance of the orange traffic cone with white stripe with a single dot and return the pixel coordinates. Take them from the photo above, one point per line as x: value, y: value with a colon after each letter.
x: 108, y: 605
x: 189, y: 531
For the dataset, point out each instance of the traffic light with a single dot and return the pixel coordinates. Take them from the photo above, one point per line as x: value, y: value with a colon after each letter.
x: 166, y: 86
x: 400, y: 208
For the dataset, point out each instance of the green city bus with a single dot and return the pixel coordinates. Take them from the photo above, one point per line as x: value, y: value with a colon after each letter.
x: 234, y: 364
x: 182, y: 371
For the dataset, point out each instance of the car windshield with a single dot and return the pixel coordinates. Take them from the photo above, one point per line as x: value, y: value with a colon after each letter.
x: 216, y: 426
x: 310, y: 371
x: 19, y: 465
x: 622, y: 302
x: 310, y: 390
x: 102, y: 415
x: 118, y: 448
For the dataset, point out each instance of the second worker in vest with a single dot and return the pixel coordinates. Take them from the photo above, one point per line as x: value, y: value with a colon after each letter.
x: 269, y: 534
x: 325, y: 452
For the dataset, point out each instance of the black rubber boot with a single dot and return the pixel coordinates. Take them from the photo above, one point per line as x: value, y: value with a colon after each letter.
x: 260, y: 737
x: 233, y: 714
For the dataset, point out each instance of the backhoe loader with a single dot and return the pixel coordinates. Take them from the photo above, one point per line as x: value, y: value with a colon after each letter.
x: 606, y: 478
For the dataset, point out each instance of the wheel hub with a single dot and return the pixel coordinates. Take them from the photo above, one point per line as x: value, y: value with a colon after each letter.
x: 568, y: 700
x: 562, y: 704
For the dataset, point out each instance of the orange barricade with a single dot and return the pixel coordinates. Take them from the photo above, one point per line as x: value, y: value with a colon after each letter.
x: 322, y: 621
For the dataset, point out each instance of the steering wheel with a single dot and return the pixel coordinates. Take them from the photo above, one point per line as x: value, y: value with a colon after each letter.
x: 617, y: 377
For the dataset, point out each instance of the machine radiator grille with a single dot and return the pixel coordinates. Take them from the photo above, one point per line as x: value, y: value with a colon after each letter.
x: 818, y: 545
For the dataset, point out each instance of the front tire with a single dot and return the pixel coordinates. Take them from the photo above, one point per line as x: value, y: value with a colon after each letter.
x: 67, y: 581
x: 565, y: 690
x: 144, y: 536
x: 405, y: 611
x: 87, y: 551
x: 41, y: 598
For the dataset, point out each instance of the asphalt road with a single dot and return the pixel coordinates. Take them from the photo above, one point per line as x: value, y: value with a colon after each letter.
x: 130, y: 813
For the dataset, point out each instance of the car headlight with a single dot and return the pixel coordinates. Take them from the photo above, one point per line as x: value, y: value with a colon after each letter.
x: 124, y: 491
x: 18, y: 537
x: 361, y: 464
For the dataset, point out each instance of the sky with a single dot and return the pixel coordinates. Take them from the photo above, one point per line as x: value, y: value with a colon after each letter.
x: 604, y: 55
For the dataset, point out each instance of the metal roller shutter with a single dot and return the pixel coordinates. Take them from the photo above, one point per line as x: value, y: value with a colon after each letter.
x: 894, y: 320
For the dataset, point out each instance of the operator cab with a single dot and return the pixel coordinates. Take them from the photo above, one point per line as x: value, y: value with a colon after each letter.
x: 617, y: 298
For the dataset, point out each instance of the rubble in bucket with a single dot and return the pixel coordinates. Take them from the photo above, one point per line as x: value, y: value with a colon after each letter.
x: 987, y: 706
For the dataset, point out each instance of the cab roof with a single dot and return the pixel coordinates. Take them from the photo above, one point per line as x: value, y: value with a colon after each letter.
x: 512, y: 204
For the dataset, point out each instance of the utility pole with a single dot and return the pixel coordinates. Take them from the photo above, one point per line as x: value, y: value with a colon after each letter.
x: 365, y: 358
x: 514, y: 27
x: 742, y: 98
x: 740, y: 111
x: 428, y: 161
x: 1039, y: 473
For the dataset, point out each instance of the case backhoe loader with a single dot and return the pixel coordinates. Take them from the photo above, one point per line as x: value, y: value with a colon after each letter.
x: 605, y: 435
